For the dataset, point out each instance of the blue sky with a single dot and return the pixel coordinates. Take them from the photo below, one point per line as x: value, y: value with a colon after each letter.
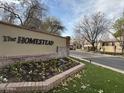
x: 70, y: 12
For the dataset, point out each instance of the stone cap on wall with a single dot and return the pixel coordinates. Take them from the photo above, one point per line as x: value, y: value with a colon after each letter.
x: 38, y: 31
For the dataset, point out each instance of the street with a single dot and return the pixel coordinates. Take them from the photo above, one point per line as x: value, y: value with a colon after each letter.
x: 108, y: 60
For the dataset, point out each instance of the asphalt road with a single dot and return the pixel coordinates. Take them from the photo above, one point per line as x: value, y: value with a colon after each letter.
x: 112, y: 61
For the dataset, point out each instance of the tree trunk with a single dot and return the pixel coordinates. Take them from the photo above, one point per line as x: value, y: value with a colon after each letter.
x: 93, y: 46
x: 122, y: 50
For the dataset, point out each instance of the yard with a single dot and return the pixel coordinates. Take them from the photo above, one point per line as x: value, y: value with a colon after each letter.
x: 94, y: 79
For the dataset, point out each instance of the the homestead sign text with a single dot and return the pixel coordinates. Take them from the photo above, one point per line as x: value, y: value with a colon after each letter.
x: 27, y: 40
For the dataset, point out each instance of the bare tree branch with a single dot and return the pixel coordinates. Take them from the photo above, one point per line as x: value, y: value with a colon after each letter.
x: 93, y: 26
x: 7, y: 8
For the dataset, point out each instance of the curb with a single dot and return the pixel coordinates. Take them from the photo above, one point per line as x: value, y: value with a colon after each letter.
x: 108, y: 67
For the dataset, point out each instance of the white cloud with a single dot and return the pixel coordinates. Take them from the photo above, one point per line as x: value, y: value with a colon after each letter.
x: 112, y: 8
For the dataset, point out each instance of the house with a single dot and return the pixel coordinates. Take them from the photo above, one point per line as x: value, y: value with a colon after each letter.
x: 111, y: 46
x: 108, y: 44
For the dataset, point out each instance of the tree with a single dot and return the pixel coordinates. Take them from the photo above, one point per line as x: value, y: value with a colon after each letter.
x: 53, y: 25
x: 9, y: 13
x: 119, y: 27
x: 33, y: 14
x: 91, y: 27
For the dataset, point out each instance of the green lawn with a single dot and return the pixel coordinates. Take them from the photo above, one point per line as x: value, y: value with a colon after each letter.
x: 93, y: 79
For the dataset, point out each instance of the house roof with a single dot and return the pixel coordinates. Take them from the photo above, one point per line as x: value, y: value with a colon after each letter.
x: 109, y: 38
